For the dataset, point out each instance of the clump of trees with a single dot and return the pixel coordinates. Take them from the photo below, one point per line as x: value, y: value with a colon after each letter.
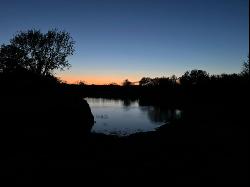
x: 158, y: 81
x: 37, y: 52
x: 194, y: 77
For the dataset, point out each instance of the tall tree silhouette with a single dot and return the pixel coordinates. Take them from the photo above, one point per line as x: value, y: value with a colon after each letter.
x: 38, y: 52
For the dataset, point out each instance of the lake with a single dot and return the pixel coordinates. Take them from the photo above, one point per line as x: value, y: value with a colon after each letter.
x: 125, y: 117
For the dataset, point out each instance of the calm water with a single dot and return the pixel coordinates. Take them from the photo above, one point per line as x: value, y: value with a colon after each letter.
x: 124, y: 117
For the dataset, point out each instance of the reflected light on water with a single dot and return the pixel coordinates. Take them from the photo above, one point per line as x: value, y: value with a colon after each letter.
x: 124, y: 117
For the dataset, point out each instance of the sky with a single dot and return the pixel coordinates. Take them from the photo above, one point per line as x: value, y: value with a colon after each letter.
x: 131, y: 39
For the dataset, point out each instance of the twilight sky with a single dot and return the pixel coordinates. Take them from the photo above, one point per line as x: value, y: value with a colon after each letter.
x: 119, y: 39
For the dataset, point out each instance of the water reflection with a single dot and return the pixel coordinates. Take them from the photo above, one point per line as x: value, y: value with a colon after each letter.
x: 159, y: 114
x: 123, y: 117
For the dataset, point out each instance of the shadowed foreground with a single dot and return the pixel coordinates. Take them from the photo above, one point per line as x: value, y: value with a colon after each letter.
x: 45, y: 138
x: 188, y: 151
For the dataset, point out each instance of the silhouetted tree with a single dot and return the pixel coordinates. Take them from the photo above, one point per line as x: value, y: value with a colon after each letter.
x: 81, y: 83
x: 37, y: 52
x: 126, y: 82
x: 173, y: 78
x: 194, y: 77
x: 162, y: 82
x: 145, y: 81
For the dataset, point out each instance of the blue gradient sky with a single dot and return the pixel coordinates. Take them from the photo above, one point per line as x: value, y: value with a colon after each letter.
x: 122, y: 39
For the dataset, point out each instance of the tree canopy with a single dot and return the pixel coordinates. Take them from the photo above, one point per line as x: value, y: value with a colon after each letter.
x: 194, y: 77
x: 37, y: 52
x: 12, y: 59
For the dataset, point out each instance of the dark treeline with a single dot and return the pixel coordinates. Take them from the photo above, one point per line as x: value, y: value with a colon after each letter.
x: 31, y: 57
x: 193, y: 85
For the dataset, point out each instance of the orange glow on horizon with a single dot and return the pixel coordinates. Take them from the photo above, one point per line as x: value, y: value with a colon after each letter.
x: 98, y: 80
